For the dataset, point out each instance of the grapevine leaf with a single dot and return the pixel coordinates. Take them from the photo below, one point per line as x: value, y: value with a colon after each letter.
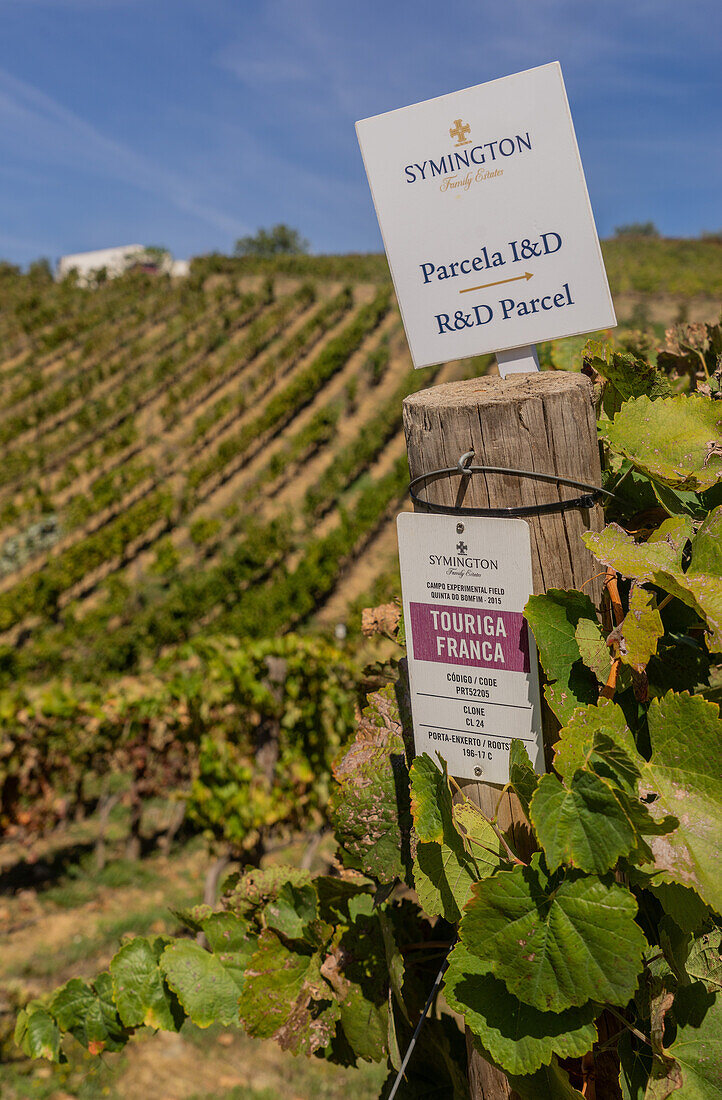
x: 443, y: 871
x: 593, y: 649
x: 519, y: 1038
x: 678, y: 502
x: 207, y: 990
x: 394, y: 963
x: 675, y: 532
x: 629, y: 376
x: 71, y: 1003
x: 37, y: 1034
x: 555, y: 945
x: 365, y: 1024
x: 553, y: 618
x: 89, y: 1013
x: 669, y: 439
x: 697, y: 1051
x: 482, y: 842
x: 640, y: 630
x: 430, y: 799
x: 255, y: 888
x: 704, y: 960
x: 700, y: 587
x: 340, y: 901
x: 577, y: 739
x: 586, y: 825
x: 682, y: 779
x: 640, y: 560
x: 707, y: 545
x: 369, y: 809
x: 548, y: 1083
x: 292, y: 911
x: 286, y: 998
x: 522, y: 778
x: 226, y: 933
x: 140, y: 993
x: 686, y: 908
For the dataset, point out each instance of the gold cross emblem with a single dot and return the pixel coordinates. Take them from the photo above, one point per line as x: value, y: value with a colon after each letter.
x: 459, y: 130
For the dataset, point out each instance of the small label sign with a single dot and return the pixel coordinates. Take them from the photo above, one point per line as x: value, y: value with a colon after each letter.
x: 485, y: 217
x: 472, y: 659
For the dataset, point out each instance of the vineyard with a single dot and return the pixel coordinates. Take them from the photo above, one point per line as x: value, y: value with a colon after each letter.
x: 198, y: 484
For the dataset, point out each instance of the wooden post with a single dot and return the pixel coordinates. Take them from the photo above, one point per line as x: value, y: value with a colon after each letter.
x: 543, y: 422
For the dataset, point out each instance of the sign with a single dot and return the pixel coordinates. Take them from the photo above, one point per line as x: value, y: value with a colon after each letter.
x: 472, y: 658
x: 485, y: 217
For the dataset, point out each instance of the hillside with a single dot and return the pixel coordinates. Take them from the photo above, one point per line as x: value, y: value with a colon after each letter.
x: 222, y: 453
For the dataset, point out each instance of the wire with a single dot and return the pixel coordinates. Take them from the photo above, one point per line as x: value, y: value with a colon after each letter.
x: 417, y: 1029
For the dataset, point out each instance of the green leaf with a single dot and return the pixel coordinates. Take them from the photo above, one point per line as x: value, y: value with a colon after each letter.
x: 519, y: 1038
x: 522, y: 778
x: 630, y: 376
x: 704, y: 960
x: 553, y: 618
x: 286, y: 998
x: 555, y: 945
x: 548, y: 1083
x: 586, y: 825
x: 443, y: 871
x: 700, y: 587
x: 71, y: 1003
x: 640, y: 630
x: 89, y: 1013
x: 226, y: 933
x: 593, y: 649
x: 365, y: 1024
x: 37, y: 1034
x: 292, y: 911
x: 139, y: 990
x: 640, y: 560
x: 697, y: 1050
x: 685, y: 907
x: 207, y: 990
x: 481, y: 840
x: 369, y: 808
x: 682, y: 779
x: 394, y: 963
x: 669, y: 439
x: 577, y: 739
x: 253, y: 889
x: 429, y: 792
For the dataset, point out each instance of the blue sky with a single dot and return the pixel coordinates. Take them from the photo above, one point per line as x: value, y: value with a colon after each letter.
x: 189, y: 123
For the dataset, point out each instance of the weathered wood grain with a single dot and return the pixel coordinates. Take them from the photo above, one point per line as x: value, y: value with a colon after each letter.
x: 543, y: 422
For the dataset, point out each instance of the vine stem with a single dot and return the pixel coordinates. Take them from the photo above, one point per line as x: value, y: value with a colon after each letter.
x: 635, y: 1031
x: 612, y: 588
x: 592, y: 578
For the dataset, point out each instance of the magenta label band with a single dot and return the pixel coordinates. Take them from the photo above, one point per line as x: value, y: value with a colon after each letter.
x: 482, y: 638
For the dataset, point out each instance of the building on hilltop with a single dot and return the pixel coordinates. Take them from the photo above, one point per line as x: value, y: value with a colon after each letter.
x: 115, y: 261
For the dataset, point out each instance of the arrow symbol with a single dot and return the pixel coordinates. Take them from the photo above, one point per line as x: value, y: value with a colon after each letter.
x: 527, y: 275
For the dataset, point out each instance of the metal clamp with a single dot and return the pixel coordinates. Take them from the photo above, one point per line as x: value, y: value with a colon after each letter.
x: 465, y: 469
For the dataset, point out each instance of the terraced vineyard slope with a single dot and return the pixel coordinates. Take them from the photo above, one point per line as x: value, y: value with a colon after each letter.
x: 221, y: 452
x: 191, y: 455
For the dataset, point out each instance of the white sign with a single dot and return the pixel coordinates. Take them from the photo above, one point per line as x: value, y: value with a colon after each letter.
x: 472, y: 658
x: 485, y: 217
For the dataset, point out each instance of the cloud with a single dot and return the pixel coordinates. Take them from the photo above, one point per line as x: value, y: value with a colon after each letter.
x: 41, y: 130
